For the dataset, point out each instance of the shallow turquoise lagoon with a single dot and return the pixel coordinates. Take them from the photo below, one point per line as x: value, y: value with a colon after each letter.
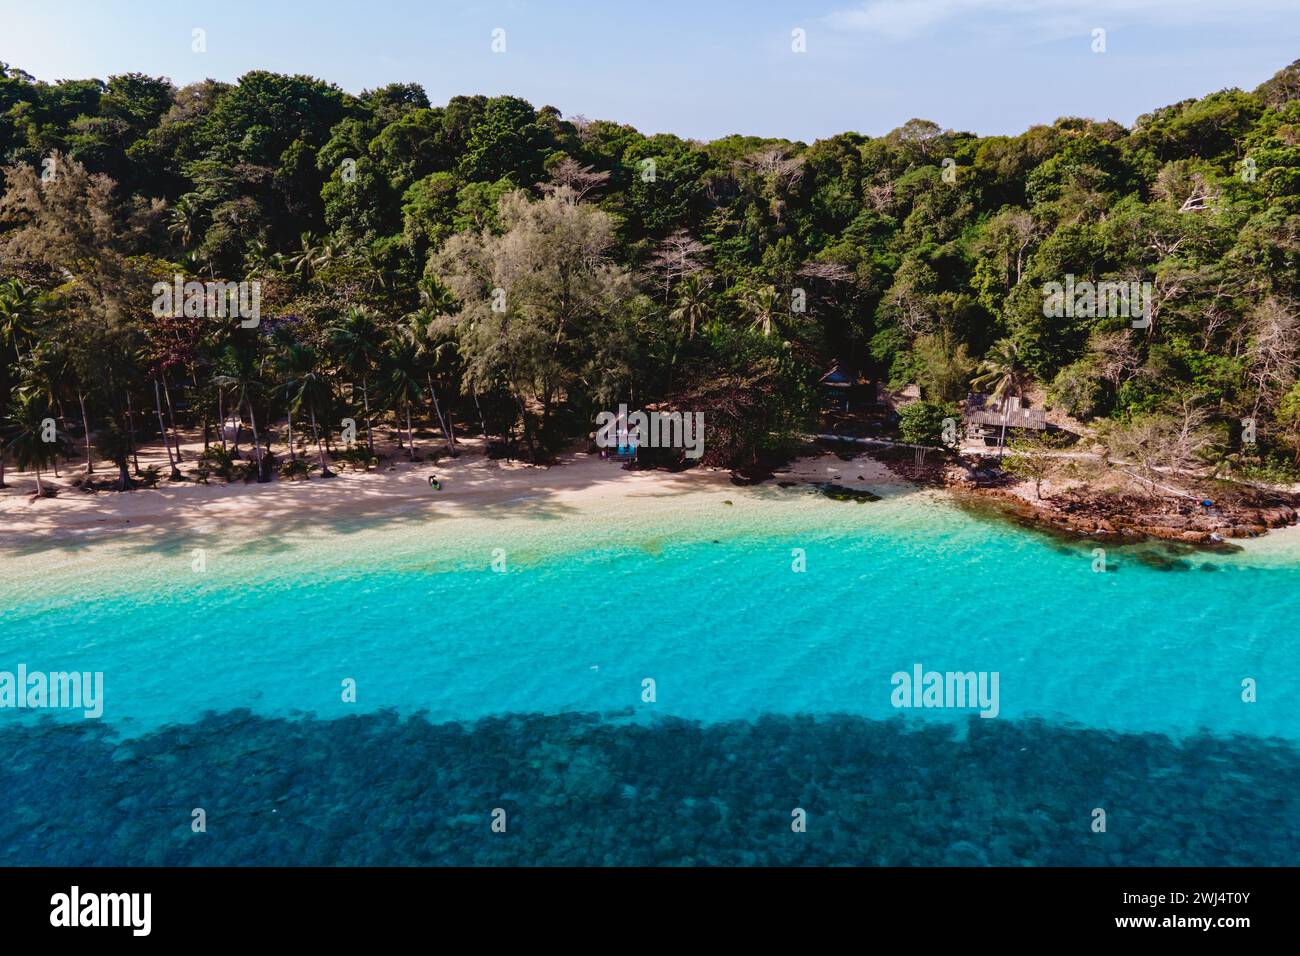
x: 716, y: 616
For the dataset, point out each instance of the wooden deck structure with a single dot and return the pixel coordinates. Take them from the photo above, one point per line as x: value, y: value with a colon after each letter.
x: 985, y: 417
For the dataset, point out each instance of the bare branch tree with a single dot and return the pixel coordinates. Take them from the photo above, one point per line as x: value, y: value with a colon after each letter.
x: 678, y: 255
x: 582, y: 125
x: 1185, y: 187
x: 581, y: 179
x: 1176, y: 440
x: 827, y: 271
x: 880, y: 197
x: 1116, y: 358
x: 1274, y: 338
x: 777, y: 166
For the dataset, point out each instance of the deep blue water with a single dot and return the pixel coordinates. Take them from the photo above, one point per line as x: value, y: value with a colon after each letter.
x: 523, y: 691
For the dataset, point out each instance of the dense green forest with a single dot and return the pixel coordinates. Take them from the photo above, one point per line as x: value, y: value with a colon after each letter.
x: 486, y: 266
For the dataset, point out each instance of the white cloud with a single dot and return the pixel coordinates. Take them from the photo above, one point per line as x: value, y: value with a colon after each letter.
x: 895, y: 19
x: 906, y: 19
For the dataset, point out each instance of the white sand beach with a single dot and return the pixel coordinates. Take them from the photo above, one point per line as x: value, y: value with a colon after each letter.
x: 470, y: 482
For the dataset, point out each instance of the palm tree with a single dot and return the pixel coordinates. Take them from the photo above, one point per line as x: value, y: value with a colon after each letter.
x: 219, y: 383
x: 433, y: 339
x: 762, y: 304
x: 194, y: 262
x: 175, y: 472
x: 692, y: 303
x: 356, y: 341
x: 1004, y: 373
x: 243, y: 379
x: 44, y: 373
x: 329, y: 252
x: 156, y: 358
x: 435, y: 299
x: 30, y: 437
x: 291, y: 363
x: 115, y: 445
x: 86, y: 365
x: 310, y: 256
x: 376, y: 267
x: 183, y: 220
x: 401, y: 365
x: 19, y: 308
x: 312, y: 391
x: 259, y: 260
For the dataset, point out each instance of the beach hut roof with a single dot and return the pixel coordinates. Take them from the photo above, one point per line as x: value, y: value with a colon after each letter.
x: 984, y: 410
x: 841, y: 374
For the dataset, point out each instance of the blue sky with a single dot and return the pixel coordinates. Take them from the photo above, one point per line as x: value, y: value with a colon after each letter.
x: 705, y: 68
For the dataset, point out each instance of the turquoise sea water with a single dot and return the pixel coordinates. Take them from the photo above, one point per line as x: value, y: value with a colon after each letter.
x: 524, y: 688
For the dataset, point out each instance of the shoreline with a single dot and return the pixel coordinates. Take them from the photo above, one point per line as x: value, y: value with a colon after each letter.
x: 1213, y: 519
x: 1109, y: 508
x: 472, y: 482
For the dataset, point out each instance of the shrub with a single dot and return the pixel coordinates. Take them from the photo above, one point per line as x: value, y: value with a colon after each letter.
x: 923, y: 423
x: 292, y: 470
x: 1076, y: 390
x: 215, y: 461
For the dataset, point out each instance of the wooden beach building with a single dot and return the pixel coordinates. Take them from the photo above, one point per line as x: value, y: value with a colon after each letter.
x: 986, y: 417
x: 844, y: 389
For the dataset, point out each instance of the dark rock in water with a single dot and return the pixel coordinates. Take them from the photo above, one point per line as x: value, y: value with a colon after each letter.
x: 786, y: 484
x: 1162, y: 559
x: 841, y: 493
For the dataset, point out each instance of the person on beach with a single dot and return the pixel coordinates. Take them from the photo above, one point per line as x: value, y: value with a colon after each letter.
x: 434, y: 483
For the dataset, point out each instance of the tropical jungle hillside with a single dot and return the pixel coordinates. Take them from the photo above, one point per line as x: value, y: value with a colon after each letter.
x: 485, y: 266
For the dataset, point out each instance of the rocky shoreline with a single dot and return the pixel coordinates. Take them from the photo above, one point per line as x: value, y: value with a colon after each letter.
x: 1109, y: 514
x: 1239, y: 511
